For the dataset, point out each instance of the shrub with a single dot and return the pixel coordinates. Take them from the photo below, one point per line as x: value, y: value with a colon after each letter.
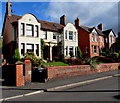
x: 79, y: 53
x: 115, y: 55
x: 64, y: 60
x: 91, y: 62
x: 36, y: 62
x: 106, y: 60
x: 70, y: 61
x: 30, y: 55
x: 103, y: 54
x: 78, y: 61
x: 16, y: 55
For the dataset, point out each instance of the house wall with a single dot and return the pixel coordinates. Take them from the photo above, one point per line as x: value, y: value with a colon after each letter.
x: 67, y: 42
x: 83, y: 41
x: 50, y: 37
x: 29, y: 19
x: 7, y: 33
x: 114, y: 39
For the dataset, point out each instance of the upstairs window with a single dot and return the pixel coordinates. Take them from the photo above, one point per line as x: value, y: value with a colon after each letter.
x: 74, y: 35
x: 66, y: 34
x: 111, y: 39
x: 36, y: 31
x: 54, y: 36
x: 93, y: 37
x: 103, y: 39
x: 70, y: 35
x: 29, y: 30
x: 44, y: 34
x: 22, y: 29
x: 96, y: 38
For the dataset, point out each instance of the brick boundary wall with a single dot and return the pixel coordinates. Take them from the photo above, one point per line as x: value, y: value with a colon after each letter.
x: 66, y: 71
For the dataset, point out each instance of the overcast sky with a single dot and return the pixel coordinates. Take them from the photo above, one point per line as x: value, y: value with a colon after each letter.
x: 90, y: 13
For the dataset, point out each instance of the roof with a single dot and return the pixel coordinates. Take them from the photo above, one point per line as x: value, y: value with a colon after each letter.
x: 89, y: 29
x: 107, y: 32
x: 44, y: 24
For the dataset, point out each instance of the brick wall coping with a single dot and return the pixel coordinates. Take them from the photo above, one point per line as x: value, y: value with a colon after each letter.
x: 73, y: 66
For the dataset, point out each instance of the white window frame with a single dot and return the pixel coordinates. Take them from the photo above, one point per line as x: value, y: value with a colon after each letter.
x: 66, y: 32
x: 29, y: 30
x: 22, y: 29
x: 93, y: 37
x: 44, y: 34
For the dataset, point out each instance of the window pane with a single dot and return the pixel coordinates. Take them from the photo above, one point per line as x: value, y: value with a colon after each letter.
x: 22, y: 29
x: 70, y: 35
x: 93, y: 37
x: 36, y: 31
x: 65, y: 34
x: 75, y: 35
x: 30, y: 48
x: 37, y: 49
x: 22, y: 49
x: 44, y: 34
x: 54, y: 36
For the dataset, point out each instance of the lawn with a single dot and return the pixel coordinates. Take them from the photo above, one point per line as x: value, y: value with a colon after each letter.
x: 55, y: 64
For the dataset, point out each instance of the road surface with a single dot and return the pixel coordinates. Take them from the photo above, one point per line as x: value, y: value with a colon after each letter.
x: 103, y: 90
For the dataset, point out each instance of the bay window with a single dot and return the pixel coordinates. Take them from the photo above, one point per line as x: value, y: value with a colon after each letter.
x: 29, y: 30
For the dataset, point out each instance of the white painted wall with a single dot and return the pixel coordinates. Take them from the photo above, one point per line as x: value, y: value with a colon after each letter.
x: 67, y: 42
x: 50, y: 37
x: 29, y: 19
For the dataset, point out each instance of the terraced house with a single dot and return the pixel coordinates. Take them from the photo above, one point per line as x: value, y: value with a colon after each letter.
x: 24, y: 32
x: 92, y: 40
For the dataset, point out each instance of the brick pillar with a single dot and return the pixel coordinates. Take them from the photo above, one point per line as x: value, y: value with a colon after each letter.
x: 19, y: 75
x: 27, y: 71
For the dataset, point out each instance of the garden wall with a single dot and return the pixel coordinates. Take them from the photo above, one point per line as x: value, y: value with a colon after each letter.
x: 65, y: 71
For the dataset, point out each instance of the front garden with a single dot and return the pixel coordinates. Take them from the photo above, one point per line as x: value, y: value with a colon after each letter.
x: 105, y: 57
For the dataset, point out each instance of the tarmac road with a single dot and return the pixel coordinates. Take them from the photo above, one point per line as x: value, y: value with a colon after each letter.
x: 102, y: 90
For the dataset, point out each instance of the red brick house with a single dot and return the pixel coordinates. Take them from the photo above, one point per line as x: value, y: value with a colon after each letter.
x: 92, y: 40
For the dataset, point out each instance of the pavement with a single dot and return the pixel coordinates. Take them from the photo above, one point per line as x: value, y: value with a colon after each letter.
x: 9, y: 92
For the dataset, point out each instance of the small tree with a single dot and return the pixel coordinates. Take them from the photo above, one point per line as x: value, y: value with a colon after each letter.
x: 16, y: 55
x: 79, y: 53
x: 42, y: 46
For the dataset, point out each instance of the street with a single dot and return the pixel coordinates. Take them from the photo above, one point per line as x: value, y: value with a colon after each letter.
x: 103, y: 90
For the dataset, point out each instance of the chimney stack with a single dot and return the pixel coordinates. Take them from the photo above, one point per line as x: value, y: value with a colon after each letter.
x: 100, y: 26
x: 63, y: 20
x: 8, y: 8
x: 77, y: 22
